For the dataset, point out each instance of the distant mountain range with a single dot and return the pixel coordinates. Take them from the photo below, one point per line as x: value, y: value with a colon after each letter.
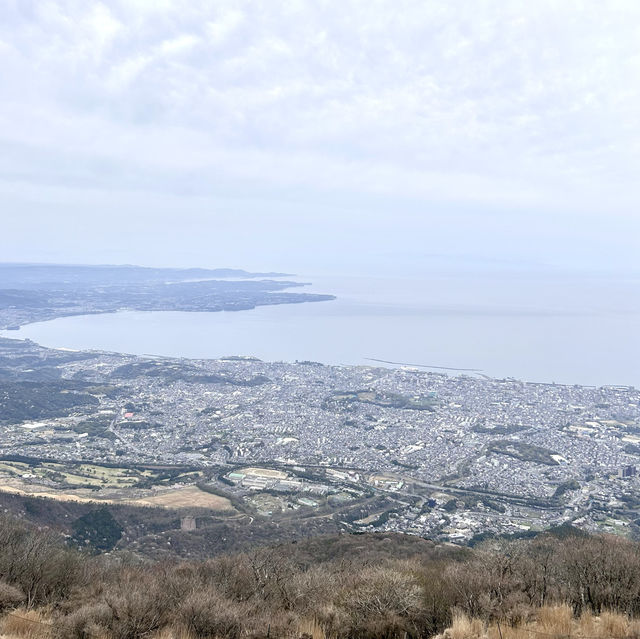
x: 26, y: 275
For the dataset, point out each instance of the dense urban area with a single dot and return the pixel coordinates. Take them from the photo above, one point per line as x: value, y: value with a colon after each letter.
x: 452, y: 458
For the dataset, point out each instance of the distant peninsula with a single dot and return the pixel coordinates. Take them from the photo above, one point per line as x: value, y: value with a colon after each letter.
x: 39, y: 292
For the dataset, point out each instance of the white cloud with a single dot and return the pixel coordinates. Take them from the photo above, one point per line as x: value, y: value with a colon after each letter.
x: 179, y: 44
x: 515, y: 104
x: 221, y: 28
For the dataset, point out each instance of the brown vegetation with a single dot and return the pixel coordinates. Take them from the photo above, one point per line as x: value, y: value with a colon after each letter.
x: 578, y: 586
x: 552, y: 622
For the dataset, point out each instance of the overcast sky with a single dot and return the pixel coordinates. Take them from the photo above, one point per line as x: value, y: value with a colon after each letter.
x: 320, y: 135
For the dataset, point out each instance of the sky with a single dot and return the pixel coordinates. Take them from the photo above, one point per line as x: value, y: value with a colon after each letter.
x: 321, y: 136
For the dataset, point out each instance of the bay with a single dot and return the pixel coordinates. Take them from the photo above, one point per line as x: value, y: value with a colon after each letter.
x: 535, y: 327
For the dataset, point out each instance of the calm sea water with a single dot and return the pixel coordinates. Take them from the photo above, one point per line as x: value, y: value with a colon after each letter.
x: 539, y: 328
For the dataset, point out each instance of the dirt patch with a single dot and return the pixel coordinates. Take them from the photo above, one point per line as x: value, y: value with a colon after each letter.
x: 190, y: 497
x: 60, y: 496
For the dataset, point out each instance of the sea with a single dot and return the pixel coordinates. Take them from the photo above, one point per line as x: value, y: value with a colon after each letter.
x: 541, y: 327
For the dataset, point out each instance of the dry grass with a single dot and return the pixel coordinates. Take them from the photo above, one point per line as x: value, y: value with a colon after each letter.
x: 168, y: 633
x: 550, y: 622
x: 31, y: 624
x: 312, y: 628
x: 25, y: 624
x: 587, y: 625
x: 555, y: 620
x: 613, y: 625
x: 464, y: 628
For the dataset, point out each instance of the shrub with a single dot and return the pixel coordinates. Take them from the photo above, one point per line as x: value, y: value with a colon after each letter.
x: 207, y: 614
x: 136, y: 611
x: 86, y: 622
x: 10, y: 597
x: 375, y: 602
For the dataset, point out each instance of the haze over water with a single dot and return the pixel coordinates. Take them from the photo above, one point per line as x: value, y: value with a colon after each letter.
x: 350, y: 137
x: 535, y: 327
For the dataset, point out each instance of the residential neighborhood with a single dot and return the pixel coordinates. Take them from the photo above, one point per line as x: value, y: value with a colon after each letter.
x: 451, y: 457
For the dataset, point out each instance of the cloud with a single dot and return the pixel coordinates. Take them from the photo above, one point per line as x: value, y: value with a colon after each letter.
x: 531, y: 106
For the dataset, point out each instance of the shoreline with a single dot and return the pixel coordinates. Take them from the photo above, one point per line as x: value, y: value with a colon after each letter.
x: 394, y: 365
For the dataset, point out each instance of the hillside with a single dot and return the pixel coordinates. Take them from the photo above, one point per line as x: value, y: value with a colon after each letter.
x: 363, y: 586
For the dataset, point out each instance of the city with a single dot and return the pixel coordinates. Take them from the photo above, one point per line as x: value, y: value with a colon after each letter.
x: 452, y: 458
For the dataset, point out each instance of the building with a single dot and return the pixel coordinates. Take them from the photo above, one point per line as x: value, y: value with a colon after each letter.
x: 626, y: 472
x: 188, y: 523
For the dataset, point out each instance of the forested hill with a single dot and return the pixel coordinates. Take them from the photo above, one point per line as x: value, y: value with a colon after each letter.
x: 349, y: 586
